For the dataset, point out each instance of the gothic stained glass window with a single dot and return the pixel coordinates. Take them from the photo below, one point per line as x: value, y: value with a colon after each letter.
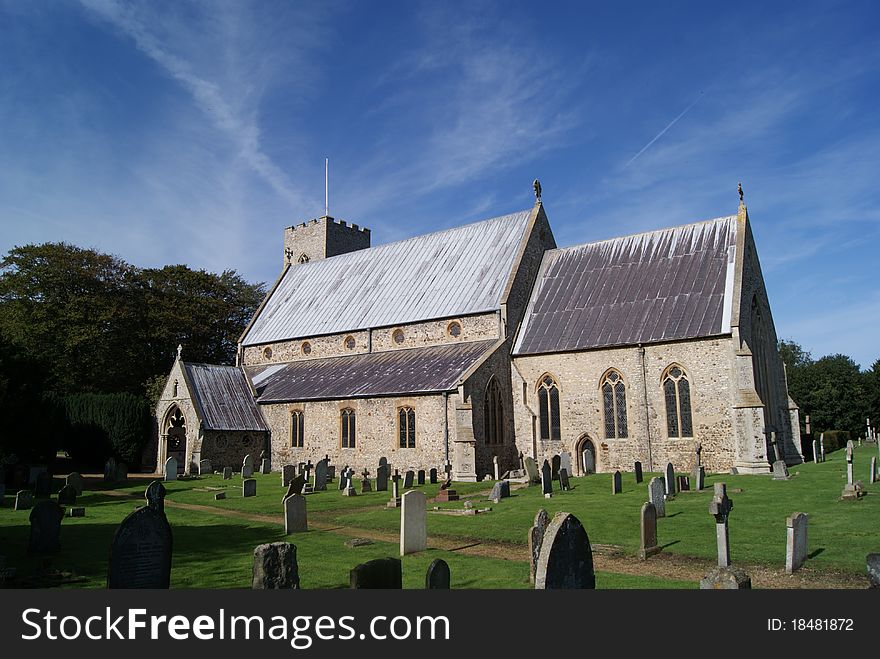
x: 548, y: 403
x: 677, y: 393
x: 348, y: 428
x: 296, y: 429
x: 608, y: 403
x: 614, y: 405
x: 406, y: 426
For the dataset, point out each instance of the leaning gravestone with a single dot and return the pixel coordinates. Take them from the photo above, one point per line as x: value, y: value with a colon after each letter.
x: 76, y: 481
x: 227, y: 473
x: 205, y: 468
x: 382, y: 477
x: 536, y: 538
x: 43, y: 485
x: 616, y: 483
x: 295, y: 520
x: 546, y: 479
x: 408, y: 479
x: 780, y: 471
x: 413, y: 523
x: 171, y: 469
x: 320, y: 483
x: 378, y: 573
x: 532, y: 470
x: 67, y: 496
x: 438, y: 576
x: 24, y: 500
x: 501, y: 490
x: 670, y: 480
x: 648, y: 545
x: 656, y: 495
x: 140, y: 554
x: 566, y: 558
x: 637, y: 469
x: 249, y: 487
x: 796, y: 541
x: 288, y: 473
x: 432, y: 476
x: 275, y: 567
x: 45, y: 521
x: 564, y: 483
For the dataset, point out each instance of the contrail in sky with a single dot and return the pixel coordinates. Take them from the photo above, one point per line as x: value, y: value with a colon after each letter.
x: 661, y: 133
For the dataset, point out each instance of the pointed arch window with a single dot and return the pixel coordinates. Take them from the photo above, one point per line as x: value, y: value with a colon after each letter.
x: 297, y: 433
x: 347, y: 418
x: 548, y: 407
x: 677, y: 394
x: 614, y: 405
x: 406, y: 427
x: 493, y: 413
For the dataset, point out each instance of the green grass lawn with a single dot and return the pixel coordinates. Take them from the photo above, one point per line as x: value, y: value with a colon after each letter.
x: 213, y: 551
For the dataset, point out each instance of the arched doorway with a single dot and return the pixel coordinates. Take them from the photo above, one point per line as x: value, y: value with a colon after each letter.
x: 175, y: 437
x: 586, y: 455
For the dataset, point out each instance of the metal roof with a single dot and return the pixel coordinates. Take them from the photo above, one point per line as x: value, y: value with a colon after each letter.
x: 659, y: 286
x: 455, y: 272
x: 396, y: 372
x: 223, y: 398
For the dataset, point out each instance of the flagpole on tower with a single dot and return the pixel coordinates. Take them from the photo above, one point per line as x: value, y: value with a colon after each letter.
x: 326, y: 187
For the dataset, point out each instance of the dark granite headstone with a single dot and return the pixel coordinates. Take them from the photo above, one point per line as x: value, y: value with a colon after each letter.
x: 564, y: 483
x: 288, y: 473
x: 295, y: 518
x: 275, y: 567
x: 432, y: 476
x: 343, y: 478
x: 566, y: 558
x: 45, y: 521
x: 420, y: 477
x: 555, y: 464
x: 24, y: 500
x: 670, y: 480
x: 616, y: 483
x: 249, y: 487
x: 140, y: 554
x: 501, y: 490
x: 227, y: 473
x: 438, y: 576
x: 67, y: 496
x: 205, y: 468
x: 320, y: 476
x: 684, y: 483
x: 408, y: 479
x: 638, y: 471
x: 648, y: 545
x: 382, y: 477
x: 265, y: 466
x: 546, y: 479
x: 295, y: 486
x: 378, y: 573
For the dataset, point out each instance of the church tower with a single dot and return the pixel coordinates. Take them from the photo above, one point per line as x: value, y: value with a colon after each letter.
x: 321, y: 238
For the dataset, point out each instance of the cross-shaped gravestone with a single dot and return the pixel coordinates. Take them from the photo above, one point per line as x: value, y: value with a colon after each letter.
x: 365, y: 481
x: 720, y: 508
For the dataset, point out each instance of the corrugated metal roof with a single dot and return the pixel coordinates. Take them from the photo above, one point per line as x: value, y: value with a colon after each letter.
x: 657, y: 286
x: 223, y: 397
x: 455, y: 272
x: 395, y: 372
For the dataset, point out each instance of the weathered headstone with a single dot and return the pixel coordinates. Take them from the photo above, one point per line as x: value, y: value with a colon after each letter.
x: 288, y: 473
x: 45, y: 521
x: 365, y: 481
x: 780, y: 471
x: 853, y: 489
x: 67, y: 496
x: 219, y: 496
x: 657, y: 495
x: 227, y: 473
x: 43, y: 485
x: 496, y: 467
x: 536, y: 538
x: 438, y: 576
x: 822, y: 445
x: 724, y: 576
x: 205, y: 468
x: 110, y: 470
x: 698, y: 478
x: 171, y: 469
x: 566, y: 558
x: 637, y: 469
x: 24, y: 500
x: 555, y: 463
x: 420, y: 477
x: 589, y: 461
x: 873, y: 561
x: 501, y: 490
x: 670, y: 480
x: 308, y: 470
x: 320, y: 483
x: 873, y: 469
x: 76, y: 481
x: 432, y: 476
x: 849, y: 462
x: 343, y: 477
x: 378, y: 573
x: 546, y: 479
x: 565, y: 461
x: 795, y: 541
x: 265, y: 466
x: 275, y: 567
x: 247, y: 466
x: 532, y: 470
x: 295, y: 486
x: 616, y: 483
x: 382, y: 477
x: 815, y: 450
x: 295, y: 519
x: 408, y: 479
x: 249, y: 487
x: 648, y: 527
x: 140, y: 554
x: 564, y: 483
x: 413, y: 523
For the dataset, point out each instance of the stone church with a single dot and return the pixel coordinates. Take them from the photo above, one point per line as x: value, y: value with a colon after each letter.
x: 487, y: 340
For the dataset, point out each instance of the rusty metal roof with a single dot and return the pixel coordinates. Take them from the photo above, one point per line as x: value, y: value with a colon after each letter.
x: 450, y: 273
x: 396, y: 372
x: 223, y: 398
x: 659, y: 286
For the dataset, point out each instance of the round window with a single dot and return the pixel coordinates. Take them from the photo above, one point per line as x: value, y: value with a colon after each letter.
x: 349, y: 343
x: 397, y: 336
x: 454, y: 329
x: 306, y: 348
x: 267, y: 353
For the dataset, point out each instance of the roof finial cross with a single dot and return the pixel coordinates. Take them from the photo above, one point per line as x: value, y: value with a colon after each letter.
x: 179, y: 350
x: 537, y: 187
x: 739, y: 189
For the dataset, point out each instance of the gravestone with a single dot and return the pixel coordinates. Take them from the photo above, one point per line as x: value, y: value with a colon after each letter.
x: 219, y: 496
x: 566, y: 558
x: 413, y: 523
x: 648, y: 527
x: 555, y: 463
x: 616, y: 483
x: 295, y: 486
x: 852, y: 490
x: 343, y: 477
x: 2, y: 492
x: 815, y: 451
x: 249, y: 487
x: 43, y: 485
x: 295, y: 519
x: 77, y: 482
x: 76, y: 511
x: 309, y: 466
x: 170, y: 471
x: 698, y: 478
x: 637, y: 469
x: 110, y: 470
x: 501, y: 490
x: 536, y: 538
x: 265, y: 467
x: 565, y: 462
x: 275, y: 567
x: 849, y: 462
x: 795, y: 541
x: 589, y: 459
x: 532, y: 470
x: 45, y: 521
x: 247, y: 466
x: 564, y: 483
x: 670, y: 480
x: 496, y: 468
x: 432, y: 476
x: 122, y: 472
x: 684, y: 483
x: 227, y: 473
x: 140, y: 553
x: 365, y: 481
x: 657, y: 495
x: 67, y: 496
x: 320, y: 483
x: 420, y: 477
x: 331, y: 471
x: 780, y: 471
x: 205, y: 467
x: 378, y: 573
x: 438, y: 576
x: 408, y: 479
x: 382, y: 477
x: 288, y: 473
x: 24, y: 500
x: 873, y: 561
x: 873, y: 474
x: 724, y: 576
x: 546, y: 479
x: 822, y: 446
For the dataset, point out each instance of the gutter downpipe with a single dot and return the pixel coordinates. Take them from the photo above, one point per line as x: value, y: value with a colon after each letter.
x: 446, y: 427
x: 647, y: 412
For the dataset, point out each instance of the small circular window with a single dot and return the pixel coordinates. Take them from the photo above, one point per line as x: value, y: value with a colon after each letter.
x: 453, y: 329
x: 267, y: 353
x: 397, y: 336
x: 245, y: 441
x: 349, y: 343
x: 306, y: 348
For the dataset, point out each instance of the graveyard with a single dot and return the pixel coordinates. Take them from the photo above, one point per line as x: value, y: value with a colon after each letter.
x: 485, y: 542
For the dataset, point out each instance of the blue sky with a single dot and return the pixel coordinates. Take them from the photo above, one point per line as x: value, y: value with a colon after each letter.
x: 194, y: 132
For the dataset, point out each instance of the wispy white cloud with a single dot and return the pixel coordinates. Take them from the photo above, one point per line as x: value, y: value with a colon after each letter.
x: 664, y: 131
